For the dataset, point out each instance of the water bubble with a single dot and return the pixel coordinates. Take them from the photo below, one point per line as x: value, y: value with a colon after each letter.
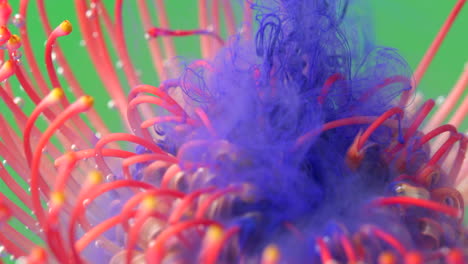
x: 89, y: 13
x: 111, y: 104
x: 59, y: 70
x: 4, y: 162
x: 53, y: 55
x: 440, y: 100
x: 18, y: 21
x: 110, y: 177
x: 98, y: 135
x: 17, y: 55
x: 119, y: 64
x: 74, y: 147
x: 82, y: 43
x: 95, y: 34
x: 86, y: 202
x: 18, y: 101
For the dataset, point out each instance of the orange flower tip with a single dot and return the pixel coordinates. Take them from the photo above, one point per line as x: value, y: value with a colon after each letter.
x: 56, y: 94
x: 14, y: 42
x: 214, y: 234
x: 354, y: 156
x: 65, y: 28
x: 37, y: 256
x: 149, y: 203
x: 271, y: 254
x: 387, y: 258
x: 455, y: 256
x: 57, y: 198
x: 87, y: 100
x: 413, y: 258
x: 5, y: 213
x: 95, y: 177
x: 6, y: 70
x: 4, y: 35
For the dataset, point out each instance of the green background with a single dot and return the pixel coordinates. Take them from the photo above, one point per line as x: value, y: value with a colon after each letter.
x: 407, y: 25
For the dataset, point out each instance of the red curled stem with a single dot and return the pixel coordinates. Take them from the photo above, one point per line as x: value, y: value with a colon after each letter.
x: 143, y: 158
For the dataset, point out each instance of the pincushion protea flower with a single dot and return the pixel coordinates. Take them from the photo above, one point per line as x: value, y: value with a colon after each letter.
x: 301, y: 142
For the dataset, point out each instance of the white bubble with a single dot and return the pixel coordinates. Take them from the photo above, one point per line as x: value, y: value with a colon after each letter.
x: 111, y: 104
x: 18, y: 101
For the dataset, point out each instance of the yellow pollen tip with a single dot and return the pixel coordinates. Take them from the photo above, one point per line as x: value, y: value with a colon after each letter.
x: 14, y: 40
x: 214, y: 234
x: 271, y: 254
x: 57, y: 198
x: 66, y: 27
x: 8, y: 65
x: 149, y: 203
x: 95, y: 177
x: 87, y: 100
x: 38, y: 254
x: 56, y: 94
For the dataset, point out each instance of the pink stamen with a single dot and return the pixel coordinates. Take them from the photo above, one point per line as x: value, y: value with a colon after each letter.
x: 430, y: 53
x: 449, y: 102
x: 81, y: 105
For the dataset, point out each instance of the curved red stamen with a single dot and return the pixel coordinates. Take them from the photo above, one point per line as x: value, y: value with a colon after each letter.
x: 184, y: 205
x: 205, y: 205
x: 53, y: 97
x: 98, y: 230
x: 89, y: 153
x: 410, y: 201
x: 143, y: 158
x: 378, y: 122
x: 348, y: 249
x: 357, y: 120
x: 212, y: 249
x: 162, y: 32
x: 324, y: 251
x: 417, y: 121
x: 327, y: 86
x: 121, y: 137
x: 81, y: 105
x: 155, y: 252
x: 63, y: 29
x: 388, y: 238
x: 88, y: 195
x: 137, y: 198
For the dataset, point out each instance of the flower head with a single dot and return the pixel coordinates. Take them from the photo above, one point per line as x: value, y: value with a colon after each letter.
x: 298, y: 141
